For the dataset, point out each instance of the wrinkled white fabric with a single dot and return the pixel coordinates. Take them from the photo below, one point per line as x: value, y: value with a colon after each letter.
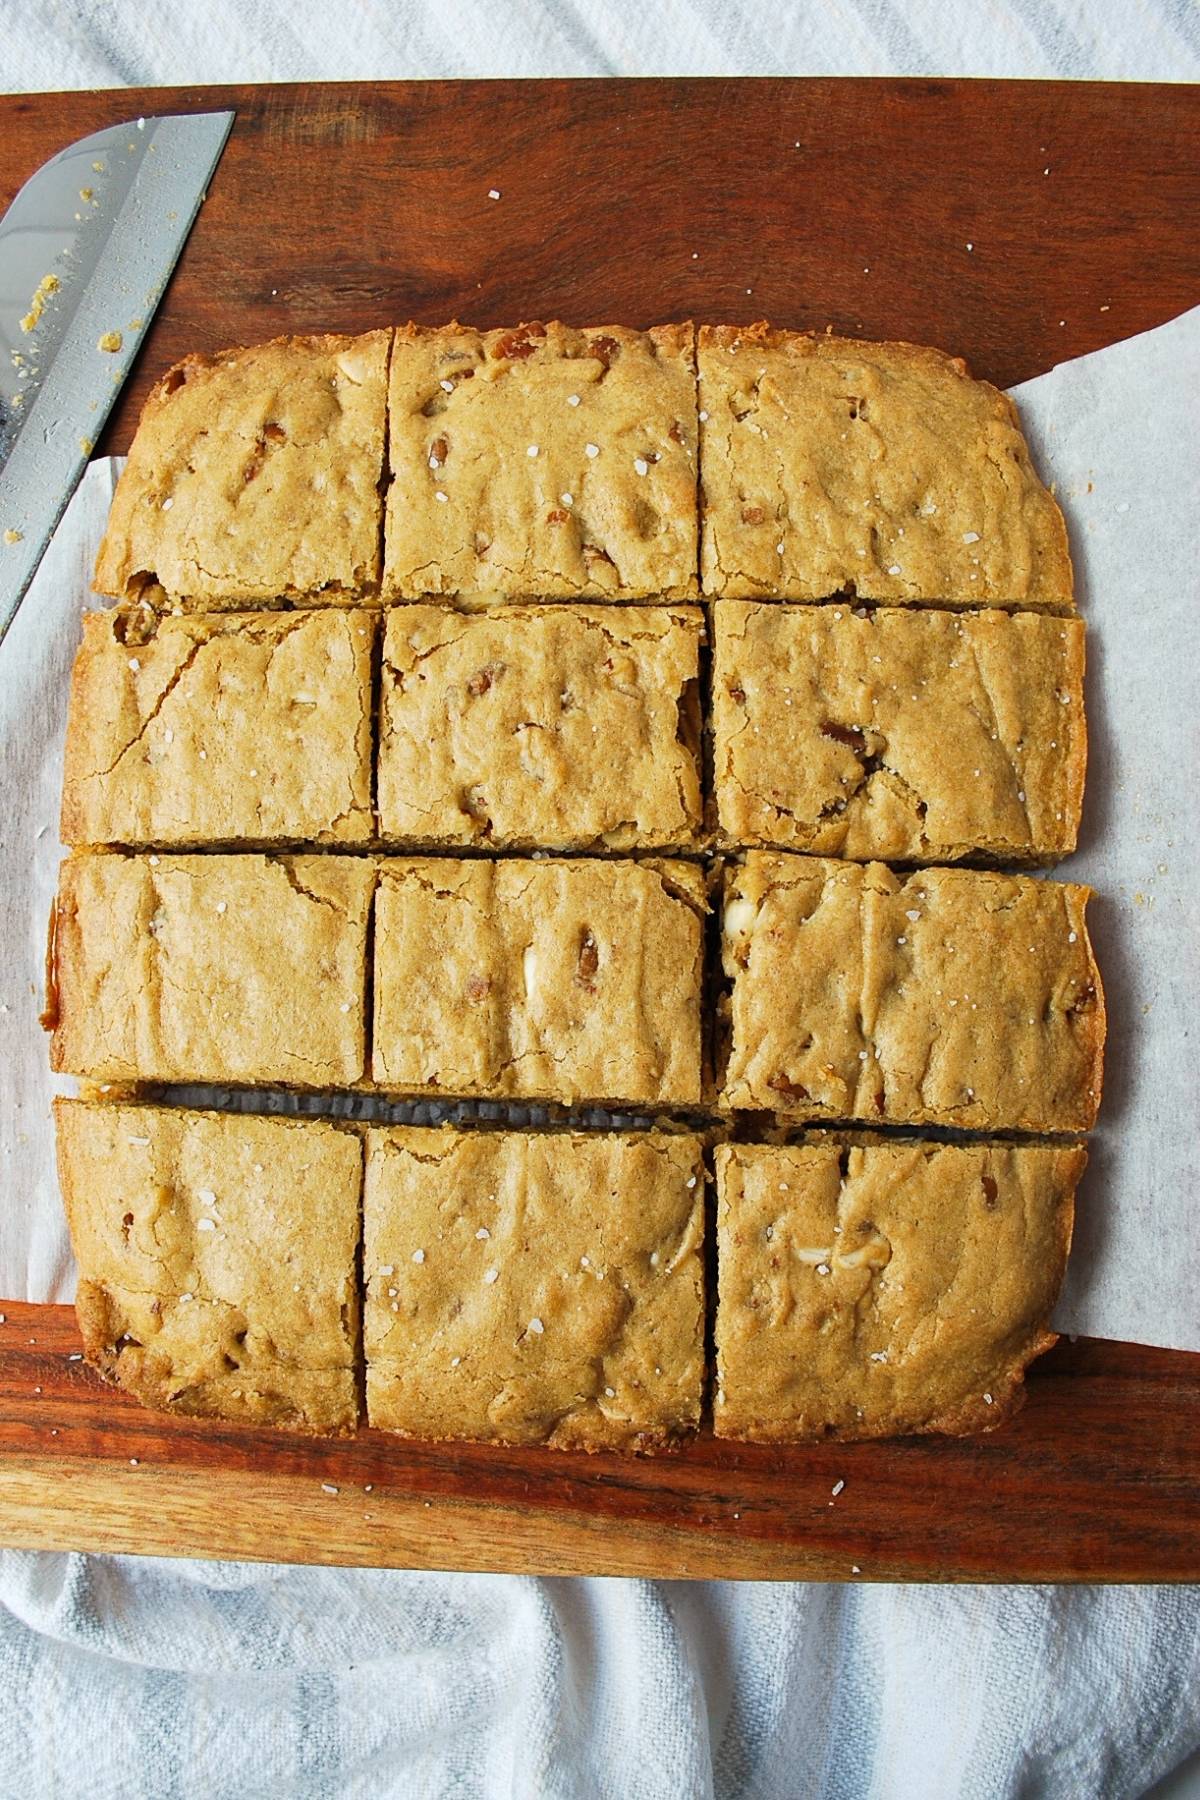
x: 128, y: 1679
x: 164, y: 1681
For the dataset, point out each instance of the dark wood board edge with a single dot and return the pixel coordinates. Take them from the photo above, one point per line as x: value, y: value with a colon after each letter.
x: 1015, y: 223
x: 1098, y: 1479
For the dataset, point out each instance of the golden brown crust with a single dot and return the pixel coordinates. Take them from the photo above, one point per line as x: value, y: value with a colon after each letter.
x: 831, y: 466
x: 557, y: 727
x: 884, y: 1289
x: 947, y: 997
x: 202, y: 729
x: 254, y: 475
x: 542, y: 461
x: 242, y: 969
x: 534, y: 1289
x: 217, y: 1260
x: 557, y: 979
x: 901, y: 734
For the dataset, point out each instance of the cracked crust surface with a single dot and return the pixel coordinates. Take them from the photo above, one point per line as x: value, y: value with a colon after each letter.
x: 946, y: 997
x: 534, y: 1289
x: 189, y: 729
x: 549, y: 726
x: 556, y: 980
x: 254, y: 475
x: 216, y: 1260
x: 907, y: 735
x: 884, y: 1290
x: 245, y: 969
x: 833, y: 466
x: 542, y: 461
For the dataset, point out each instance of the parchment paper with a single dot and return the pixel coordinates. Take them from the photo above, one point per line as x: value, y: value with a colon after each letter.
x: 1116, y: 432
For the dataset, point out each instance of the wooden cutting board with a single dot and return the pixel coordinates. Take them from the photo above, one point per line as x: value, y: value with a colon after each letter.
x: 1014, y: 223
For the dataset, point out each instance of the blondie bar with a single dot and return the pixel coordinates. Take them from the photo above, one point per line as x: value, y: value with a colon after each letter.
x: 560, y: 727
x: 216, y: 1258
x: 534, y: 1288
x: 945, y: 997
x: 198, y: 729
x: 542, y: 461
x: 241, y: 969
x: 878, y: 470
x: 553, y: 980
x: 254, y: 475
x: 882, y: 1289
x: 904, y: 734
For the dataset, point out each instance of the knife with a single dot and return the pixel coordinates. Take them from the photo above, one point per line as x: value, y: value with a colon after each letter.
x: 86, y: 250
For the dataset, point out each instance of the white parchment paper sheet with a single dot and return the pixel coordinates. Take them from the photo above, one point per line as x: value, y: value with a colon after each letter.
x: 1116, y: 432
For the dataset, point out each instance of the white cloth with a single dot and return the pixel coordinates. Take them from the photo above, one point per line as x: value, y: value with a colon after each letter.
x: 168, y: 1680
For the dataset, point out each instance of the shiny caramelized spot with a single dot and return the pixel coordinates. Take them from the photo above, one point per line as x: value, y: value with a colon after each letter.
x: 478, y: 987
x: 676, y: 434
x: 557, y: 517
x: 589, y: 960
x: 737, y: 694
x: 792, y: 1090
x: 753, y: 515
x: 850, y: 735
x: 604, y: 349
x: 439, y: 449
x: 269, y: 435
x: 515, y: 345
x: 990, y: 1191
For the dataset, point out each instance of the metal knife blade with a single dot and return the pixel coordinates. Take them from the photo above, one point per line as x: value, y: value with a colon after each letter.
x: 86, y: 249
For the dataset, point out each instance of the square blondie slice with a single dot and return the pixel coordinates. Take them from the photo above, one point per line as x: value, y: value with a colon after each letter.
x: 539, y: 980
x: 945, y: 997
x: 904, y: 734
x: 216, y: 1259
x: 534, y: 1288
x: 203, y: 729
x: 884, y: 1289
x: 241, y: 969
x: 542, y: 461
x: 554, y: 727
x: 831, y: 466
x: 255, y: 475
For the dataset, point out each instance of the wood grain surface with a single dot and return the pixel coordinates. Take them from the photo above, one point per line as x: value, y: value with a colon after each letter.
x: 1014, y: 223
x: 1097, y: 1479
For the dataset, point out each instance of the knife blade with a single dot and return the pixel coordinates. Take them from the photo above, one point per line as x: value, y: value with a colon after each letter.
x: 86, y: 250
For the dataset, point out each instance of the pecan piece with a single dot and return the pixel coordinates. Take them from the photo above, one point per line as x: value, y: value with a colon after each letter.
x: 514, y: 346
